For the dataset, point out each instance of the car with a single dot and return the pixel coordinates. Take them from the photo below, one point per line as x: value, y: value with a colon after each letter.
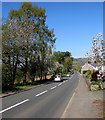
x: 52, y: 77
x: 72, y: 72
x: 68, y: 75
x: 58, y: 78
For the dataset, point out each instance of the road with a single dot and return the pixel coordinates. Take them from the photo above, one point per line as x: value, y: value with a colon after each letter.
x: 47, y: 101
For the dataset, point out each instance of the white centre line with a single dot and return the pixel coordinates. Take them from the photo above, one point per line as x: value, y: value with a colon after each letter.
x: 60, y: 84
x: 41, y: 93
x: 53, y: 87
x: 64, y: 81
x: 71, y: 77
x: 14, y: 106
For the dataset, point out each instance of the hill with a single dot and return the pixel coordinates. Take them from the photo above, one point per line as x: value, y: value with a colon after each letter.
x: 78, y: 62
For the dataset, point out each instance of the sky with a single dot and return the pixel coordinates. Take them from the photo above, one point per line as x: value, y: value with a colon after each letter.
x: 74, y: 23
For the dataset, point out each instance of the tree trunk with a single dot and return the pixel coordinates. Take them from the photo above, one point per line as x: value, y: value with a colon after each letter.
x: 10, y: 66
x: 11, y: 72
x: 14, y: 71
x: 15, y: 68
x: 45, y: 76
x: 25, y: 71
x: 41, y: 71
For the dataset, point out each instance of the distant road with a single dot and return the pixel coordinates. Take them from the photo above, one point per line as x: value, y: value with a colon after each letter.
x: 47, y: 101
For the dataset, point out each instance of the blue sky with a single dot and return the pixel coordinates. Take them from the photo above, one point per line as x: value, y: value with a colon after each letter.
x: 74, y: 23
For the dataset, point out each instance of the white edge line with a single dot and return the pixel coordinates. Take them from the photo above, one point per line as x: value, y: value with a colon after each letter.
x: 86, y: 85
x: 14, y: 106
x: 53, y: 87
x: 68, y: 104
x: 41, y: 93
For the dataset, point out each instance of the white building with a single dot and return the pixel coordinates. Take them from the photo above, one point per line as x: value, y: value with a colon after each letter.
x: 88, y: 66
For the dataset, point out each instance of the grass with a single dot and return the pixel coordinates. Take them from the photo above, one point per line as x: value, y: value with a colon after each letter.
x: 25, y: 86
x: 64, y: 74
x: 20, y: 86
x: 95, y: 82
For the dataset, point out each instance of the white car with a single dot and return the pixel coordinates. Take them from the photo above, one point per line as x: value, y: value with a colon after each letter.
x: 58, y: 78
x: 68, y: 75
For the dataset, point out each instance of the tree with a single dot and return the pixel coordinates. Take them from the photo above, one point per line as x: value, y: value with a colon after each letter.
x: 68, y: 63
x: 10, y: 50
x: 65, y: 59
x: 27, y: 43
x: 46, y: 42
x: 28, y: 16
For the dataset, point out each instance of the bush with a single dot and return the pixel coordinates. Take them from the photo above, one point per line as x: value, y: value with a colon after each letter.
x: 88, y: 74
x: 84, y: 71
x: 94, y: 76
x: 95, y: 82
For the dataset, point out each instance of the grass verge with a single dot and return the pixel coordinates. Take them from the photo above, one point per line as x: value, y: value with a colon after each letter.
x: 22, y: 86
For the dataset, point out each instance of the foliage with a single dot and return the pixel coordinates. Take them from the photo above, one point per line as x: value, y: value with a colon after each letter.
x: 94, y: 76
x: 77, y: 67
x: 27, y: 45
x: 78, y: 63
x: 95, y: 82
x: 84, y: 71
x: 88, y: 74
x: 27, y: 48
x: 63, y: 62
x: 91, y: 74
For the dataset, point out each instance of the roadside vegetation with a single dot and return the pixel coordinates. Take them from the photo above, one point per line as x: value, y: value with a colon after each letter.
x: 93, y: 81
x: 88, y: 74
x: 78, y: 63
x: 27, y: 49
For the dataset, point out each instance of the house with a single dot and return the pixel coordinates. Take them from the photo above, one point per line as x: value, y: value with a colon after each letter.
x: 88, y: 66
x: 102, y: 69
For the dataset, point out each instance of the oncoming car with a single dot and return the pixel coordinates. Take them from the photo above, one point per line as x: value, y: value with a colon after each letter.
x: 68, y: 75
x: 58, y: 78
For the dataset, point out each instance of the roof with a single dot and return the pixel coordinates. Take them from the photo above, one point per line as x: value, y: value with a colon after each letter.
x: 95, y: 64
x: 88, y: 66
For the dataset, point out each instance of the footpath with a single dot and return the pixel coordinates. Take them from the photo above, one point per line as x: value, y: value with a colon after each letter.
x: 84, y: 103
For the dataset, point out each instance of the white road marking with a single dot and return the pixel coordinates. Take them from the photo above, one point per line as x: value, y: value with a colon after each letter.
x: 53, y: 87
x: 68, y: 105
x: 14, y: 106
x: 72, y: 96
x: 71, y: 77
x: 60, y: 84
x: 41, y: 93
x: 64, y: 81
x: 86, y: 86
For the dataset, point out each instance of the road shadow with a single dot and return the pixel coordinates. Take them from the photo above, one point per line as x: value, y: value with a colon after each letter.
x: 65, y: 79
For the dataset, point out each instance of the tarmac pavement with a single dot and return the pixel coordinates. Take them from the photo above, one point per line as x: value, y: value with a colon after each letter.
x: 82, y: 104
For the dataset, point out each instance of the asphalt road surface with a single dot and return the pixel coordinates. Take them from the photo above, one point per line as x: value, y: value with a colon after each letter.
x: 46, y: 101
